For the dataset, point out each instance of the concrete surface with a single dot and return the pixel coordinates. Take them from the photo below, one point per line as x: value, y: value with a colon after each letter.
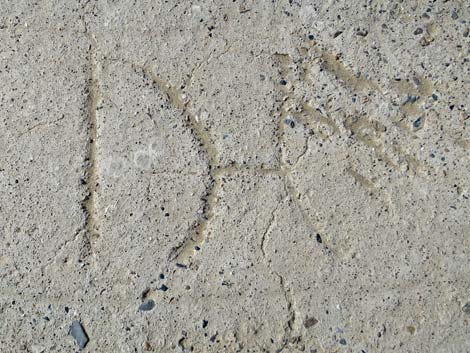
x: 234, y: 176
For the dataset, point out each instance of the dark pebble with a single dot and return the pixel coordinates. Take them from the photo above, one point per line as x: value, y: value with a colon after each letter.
x: 411, y: 99
x: 290, y: 122
x: 342, y: 341
x: 147, y: 305
x: 204, y: 323
x: 418, y: 31
x: 283, y: 82
x: 162, y: 276
x: 77, y: 331
x: 418, y: 123
x: 181, y: 265
x: 309, y: 322
x: 319, y: 240
x: 311, y: 37
x: 337, y: 33
x: 466, y: 308
x: 163, y: 288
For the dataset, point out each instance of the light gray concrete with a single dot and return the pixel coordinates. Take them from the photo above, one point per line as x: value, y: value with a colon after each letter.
x: 234, y: 176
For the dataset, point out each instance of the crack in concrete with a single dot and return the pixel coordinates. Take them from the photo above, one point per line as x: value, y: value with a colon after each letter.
x: 264, y: 237
x: 43, y: 124
x: 285, y: 61
x: 306, y: 149
x: 234, y: 168
x: 292, y: 317
x: 91, y: 173
x: 187, y: 248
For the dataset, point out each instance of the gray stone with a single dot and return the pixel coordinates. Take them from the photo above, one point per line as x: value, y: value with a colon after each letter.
x: 147, y: 305
x: 78, y: 332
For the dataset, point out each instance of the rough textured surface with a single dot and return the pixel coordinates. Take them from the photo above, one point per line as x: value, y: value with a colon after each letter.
x: 234, y: 176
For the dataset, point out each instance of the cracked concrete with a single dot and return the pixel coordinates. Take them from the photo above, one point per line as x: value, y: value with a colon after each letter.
x: 288, y: 176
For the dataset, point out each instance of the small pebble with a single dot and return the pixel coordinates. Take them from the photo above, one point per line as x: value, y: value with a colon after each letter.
x: 163, y: 288
x: 204, y: 323
x: 283, y: 82
x: 290, y: 122
x: 147, y: 305
x: 147, y: 347
x: 466, y: 308
x: 319, y: 240
x: 342, y: 341
x: 77, y: 331
x: 309, y: 322
x: 410, y: 99
x: 337, y: 33
x: 418, y: 123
